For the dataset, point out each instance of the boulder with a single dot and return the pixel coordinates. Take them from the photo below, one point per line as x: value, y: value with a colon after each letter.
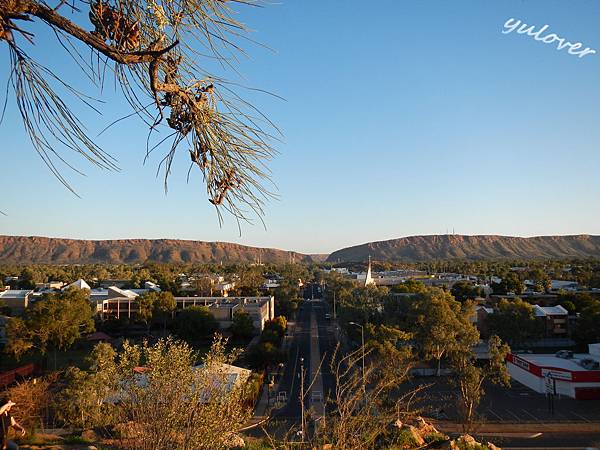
x: 426, y: 428
x: 89, y: 435
x: 467, y: 441
x: 416, y: 435
x: 235, y: 441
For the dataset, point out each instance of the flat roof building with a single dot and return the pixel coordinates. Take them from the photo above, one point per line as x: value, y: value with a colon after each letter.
x: 115, y: 303
x: 261, y: 309
x: 555, y: 320
x: 576, y: 375
x: 16, y: 300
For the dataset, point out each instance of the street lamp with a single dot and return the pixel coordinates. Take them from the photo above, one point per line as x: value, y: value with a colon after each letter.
x: 302, y: 396
x: 362, y: 337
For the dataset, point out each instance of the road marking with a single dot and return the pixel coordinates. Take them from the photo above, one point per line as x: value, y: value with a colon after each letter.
x: 534, y: 417
x: 499, y: 418
x: 524, y: 436
x: 580, y: 416
x: 294, y: 372
x: 513, y: 414
x: 316, y: 376
x: 562, y: 416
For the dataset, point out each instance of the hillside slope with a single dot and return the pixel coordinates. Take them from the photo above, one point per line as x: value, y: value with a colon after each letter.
x: 26, y: 250
x: 423, y: 248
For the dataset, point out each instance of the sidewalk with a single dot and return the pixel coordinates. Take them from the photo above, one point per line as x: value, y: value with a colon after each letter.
x: 541, y: 427
x: 262, y: 405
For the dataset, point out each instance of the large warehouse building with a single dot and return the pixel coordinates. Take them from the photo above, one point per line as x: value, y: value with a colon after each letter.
x: 574, y: 375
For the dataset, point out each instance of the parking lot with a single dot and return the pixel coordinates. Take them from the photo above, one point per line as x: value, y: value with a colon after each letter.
x: 515, y: 404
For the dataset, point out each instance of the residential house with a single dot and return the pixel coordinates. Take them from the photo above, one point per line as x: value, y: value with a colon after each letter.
x: 479, y: 319
x: 555, y: 319
x: 16, y: 300
x: 120, y: 283
x: 150, y: 286
x: 115, y: 303
x: 79, y: 284
x: 49, y: 286
x: 564, y: 285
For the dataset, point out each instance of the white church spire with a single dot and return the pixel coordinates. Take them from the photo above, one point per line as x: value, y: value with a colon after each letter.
x: 369, y: 279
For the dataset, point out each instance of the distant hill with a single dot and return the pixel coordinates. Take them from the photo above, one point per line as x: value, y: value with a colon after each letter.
x: 319, y: 257
x: 424, y: 248
x: 27, y: 250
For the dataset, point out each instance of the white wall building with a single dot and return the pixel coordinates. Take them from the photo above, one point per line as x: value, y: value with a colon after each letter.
x: 561, y: 376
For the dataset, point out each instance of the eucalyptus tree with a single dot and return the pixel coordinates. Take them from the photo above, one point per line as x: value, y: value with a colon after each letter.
x: 470, y: 377
x: 515, y: 322
x: 53, y: 323
x: 439, y: 322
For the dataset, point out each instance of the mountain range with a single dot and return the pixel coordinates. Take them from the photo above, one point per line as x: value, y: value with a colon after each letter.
x: 451, y: 246
x: 43, y: 250
x: 27, y: 250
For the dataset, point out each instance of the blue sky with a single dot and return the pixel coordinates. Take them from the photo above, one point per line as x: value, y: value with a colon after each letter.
x: 400, y: 118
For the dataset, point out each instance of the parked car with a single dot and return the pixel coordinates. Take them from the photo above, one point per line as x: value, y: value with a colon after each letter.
x: 589, y: 364
x: 566, y: 354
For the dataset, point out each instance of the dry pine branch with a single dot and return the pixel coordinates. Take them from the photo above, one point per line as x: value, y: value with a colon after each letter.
x: 155, y: 49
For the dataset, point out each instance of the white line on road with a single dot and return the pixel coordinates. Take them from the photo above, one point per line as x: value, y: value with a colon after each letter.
x: 294, y: 372
x: 513, y: 414
x: 499, y: 418
x: 534, y: 417
x: 580, y: 416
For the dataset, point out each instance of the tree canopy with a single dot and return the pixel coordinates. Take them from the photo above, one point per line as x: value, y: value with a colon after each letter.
x: 469, y: 377
x: 242, y: 326
x: 588, y: 326
x: 195, y: 324
x: 172, y: 404
x: 250, y: 280
x: 511, y: 283
x: 515, y: 322
x: 463, y: 291
x: 441, y: 324
x: 53, y: 323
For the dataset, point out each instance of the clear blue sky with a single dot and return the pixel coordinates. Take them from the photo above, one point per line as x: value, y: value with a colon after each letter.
x: 401, y: 118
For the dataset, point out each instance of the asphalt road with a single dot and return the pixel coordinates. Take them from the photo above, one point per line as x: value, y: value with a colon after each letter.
x: 327, y: 346
x: 516, y: 404
x: 546, y: 441
x: 300, y: 348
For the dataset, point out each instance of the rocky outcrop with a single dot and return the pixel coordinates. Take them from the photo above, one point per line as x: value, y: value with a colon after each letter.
x: 418, y: 433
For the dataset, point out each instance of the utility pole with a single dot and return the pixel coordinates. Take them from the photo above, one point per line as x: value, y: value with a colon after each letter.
x: 302, y: 395
x: 362, y: 338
